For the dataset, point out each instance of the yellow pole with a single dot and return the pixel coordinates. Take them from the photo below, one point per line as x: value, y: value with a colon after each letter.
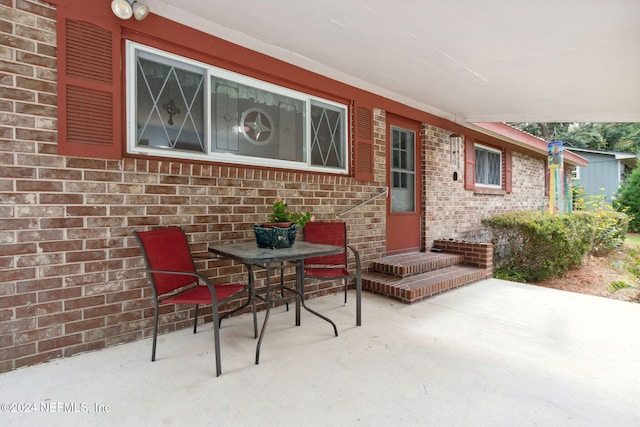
x: 552, y: 191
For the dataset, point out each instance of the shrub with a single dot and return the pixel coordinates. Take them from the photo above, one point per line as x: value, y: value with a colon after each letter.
x: 628, y: 199
x: 578, y: 196
x: 609, y: 227
x: 609, y: 231
x: 536, y: 246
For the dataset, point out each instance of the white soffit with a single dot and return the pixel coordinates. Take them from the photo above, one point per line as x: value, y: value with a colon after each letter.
x: 466, y: 60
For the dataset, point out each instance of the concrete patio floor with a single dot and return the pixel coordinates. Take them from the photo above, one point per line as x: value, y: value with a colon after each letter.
x: 493, y: 353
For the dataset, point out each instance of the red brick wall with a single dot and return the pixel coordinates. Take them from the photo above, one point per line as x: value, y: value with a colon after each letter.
x: 450, y: 211
x: 69, y: 265
x: 475, y: 254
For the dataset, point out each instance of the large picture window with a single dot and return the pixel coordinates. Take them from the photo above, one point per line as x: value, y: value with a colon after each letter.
x: 180, y: 108
x: 488, y: 166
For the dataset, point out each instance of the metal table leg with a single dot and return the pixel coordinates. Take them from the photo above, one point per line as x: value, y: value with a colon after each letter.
x: 299, y: 291
x: 266, y: 316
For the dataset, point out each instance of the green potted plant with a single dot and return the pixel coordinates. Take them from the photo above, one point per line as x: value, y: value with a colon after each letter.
x: 283, y: 218
x: 282, y: 228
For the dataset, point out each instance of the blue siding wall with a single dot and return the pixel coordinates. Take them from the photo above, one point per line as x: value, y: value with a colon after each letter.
x: 601, y: 176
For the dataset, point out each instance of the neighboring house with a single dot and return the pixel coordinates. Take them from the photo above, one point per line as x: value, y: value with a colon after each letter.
x: 113, y: 126
x: 606, y: 171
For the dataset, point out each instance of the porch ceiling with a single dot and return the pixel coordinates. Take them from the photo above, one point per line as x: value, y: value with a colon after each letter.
x: 474, y: 61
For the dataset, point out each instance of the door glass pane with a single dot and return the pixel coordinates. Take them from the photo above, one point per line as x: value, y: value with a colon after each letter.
x: 403, y: 170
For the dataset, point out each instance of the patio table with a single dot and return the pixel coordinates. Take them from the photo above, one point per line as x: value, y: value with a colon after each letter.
x: 251, y: 256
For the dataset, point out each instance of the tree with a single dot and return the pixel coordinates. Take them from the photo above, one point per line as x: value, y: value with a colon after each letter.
x: 546, y: 131
x: 628, y: 199
x: 624, y: 137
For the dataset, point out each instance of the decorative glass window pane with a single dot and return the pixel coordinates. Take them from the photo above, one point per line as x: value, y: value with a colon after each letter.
x: 254, y: 122
x: 488, y: 166
x: 327, y: 135
x: 170, y: 104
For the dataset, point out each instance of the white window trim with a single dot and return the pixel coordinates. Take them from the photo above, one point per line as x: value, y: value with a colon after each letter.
x: 576, y: 173
x: 484, y: 147
x: 210, y: 70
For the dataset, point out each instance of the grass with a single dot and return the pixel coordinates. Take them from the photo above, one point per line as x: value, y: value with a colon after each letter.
x: 631, y: 265
x: 633, y: 239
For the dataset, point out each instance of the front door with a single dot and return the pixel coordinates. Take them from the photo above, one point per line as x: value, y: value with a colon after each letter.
x: 403, y: 205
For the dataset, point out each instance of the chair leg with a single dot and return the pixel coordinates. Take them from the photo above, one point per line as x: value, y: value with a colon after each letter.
x: 230, y: 313
x: 358, y: 299
x: 251, y: 299
x: 216, y: 340
x: 346, y: 286
x: 195, y: 320
x: 155, y: 332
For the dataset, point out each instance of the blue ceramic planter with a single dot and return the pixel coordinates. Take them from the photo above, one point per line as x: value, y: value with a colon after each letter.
x: 275, y: 237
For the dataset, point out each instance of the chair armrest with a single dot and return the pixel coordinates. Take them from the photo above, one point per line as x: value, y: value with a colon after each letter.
x: 197, y: 275
x: 178, y: 273
x: 356, y: 254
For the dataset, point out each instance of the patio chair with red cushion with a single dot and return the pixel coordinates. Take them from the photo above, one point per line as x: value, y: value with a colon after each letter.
x: 174, y: 280
x: 332, y: 267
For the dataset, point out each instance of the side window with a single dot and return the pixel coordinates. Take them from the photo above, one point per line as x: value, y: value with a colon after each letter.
x: 488, y: 163
x: 181, y: 108
x: 575, y: 172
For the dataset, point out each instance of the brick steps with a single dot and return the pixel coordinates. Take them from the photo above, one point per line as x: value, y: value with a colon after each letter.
x: 415, y: 263
x: 414, y: 277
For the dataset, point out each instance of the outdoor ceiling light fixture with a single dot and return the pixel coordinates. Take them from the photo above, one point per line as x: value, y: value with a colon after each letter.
x: 125, y: 9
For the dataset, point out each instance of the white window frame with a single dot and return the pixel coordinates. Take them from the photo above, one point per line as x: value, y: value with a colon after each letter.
x: 575, y: 173
x: 210, y: 70
x: 493, y: 150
